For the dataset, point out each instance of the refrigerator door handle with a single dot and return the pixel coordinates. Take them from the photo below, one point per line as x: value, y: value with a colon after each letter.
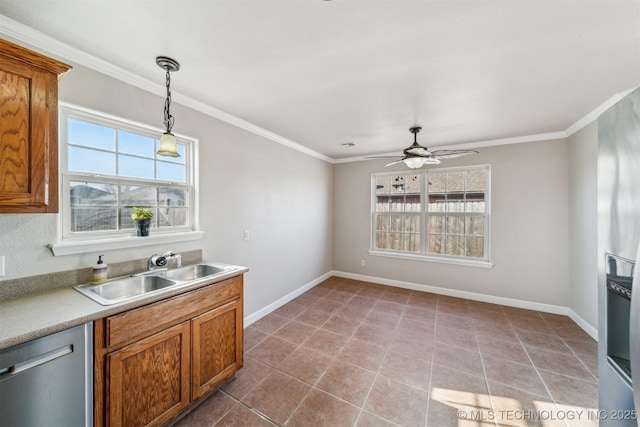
x: 634, y: 335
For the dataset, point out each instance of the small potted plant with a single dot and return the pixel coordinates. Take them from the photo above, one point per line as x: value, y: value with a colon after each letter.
x: 142, y: 217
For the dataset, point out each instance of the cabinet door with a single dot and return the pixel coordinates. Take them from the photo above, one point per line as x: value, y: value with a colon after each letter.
x: 148, y: 381
x: 217, y: 347
x: 29, y: 130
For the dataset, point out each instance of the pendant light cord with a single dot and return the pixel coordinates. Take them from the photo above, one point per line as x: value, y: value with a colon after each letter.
x: 168, y: 118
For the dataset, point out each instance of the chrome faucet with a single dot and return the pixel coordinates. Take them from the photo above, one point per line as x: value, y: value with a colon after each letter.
x: 173, y: 258
x: 156, y: 261
x: 162, y: 261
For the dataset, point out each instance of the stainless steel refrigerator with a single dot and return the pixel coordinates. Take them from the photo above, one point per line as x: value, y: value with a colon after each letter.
x: 618, y: 242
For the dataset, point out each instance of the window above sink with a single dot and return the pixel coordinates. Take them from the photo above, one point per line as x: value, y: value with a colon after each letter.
x: 108, y: 165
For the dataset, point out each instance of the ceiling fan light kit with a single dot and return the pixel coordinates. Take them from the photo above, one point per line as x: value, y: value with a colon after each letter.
x: 417, y: 162
x: 416, y: 156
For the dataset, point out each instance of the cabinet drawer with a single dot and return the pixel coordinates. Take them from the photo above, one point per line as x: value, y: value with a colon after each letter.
x: 132, y: 325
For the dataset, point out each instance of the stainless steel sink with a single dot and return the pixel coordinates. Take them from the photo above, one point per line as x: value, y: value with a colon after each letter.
x: 125, y: 288
x: 193, y: 272
x: 128, y: 288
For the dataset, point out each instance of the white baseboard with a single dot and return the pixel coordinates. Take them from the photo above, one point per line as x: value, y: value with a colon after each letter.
x: 586, y: 326
x: 285, y: 299
x: 547, y: 308
x: 510, y: 302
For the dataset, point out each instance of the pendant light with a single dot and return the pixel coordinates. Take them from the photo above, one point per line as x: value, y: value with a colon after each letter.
x: 168, y: 145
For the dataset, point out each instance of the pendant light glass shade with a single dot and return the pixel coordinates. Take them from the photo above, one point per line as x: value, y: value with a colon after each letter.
x: 168, y: 145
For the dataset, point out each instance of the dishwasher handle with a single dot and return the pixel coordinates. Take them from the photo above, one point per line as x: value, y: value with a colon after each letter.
x: 38, y: 360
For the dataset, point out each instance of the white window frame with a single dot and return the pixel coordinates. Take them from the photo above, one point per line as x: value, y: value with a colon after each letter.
x: 81, y: 242
x: 424, y: 215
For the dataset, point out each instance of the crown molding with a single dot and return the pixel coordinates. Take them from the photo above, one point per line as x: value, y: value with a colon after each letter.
x: 471, y: 145
x: 575, y: 127
x: 50, y: 46
x: 593, y: 115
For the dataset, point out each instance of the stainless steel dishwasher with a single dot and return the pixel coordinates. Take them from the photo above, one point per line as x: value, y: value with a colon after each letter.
x: 48, y: 381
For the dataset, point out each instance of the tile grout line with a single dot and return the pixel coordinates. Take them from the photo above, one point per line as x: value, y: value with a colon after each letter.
x: 431, y: 363
x: 378, y: 297
x: 579, y: 358
x: 298, y: 345
x: 377, y: 374
x: 484, y: 372
x: 312, y: 386
x: 333, y: 359
x: 546, y: 350
x: 546, y: 387
x: 240, y: 402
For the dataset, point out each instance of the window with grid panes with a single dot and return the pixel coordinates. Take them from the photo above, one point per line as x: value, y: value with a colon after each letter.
x: 111, y: 165
x: 436, y: 213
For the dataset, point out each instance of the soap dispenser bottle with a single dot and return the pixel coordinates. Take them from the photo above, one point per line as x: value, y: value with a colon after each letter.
x: 100, y: 271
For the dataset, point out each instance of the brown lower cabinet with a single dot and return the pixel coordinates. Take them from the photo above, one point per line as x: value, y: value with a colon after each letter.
x: 154, y: 362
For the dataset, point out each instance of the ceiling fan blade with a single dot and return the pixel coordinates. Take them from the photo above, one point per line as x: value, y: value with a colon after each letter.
x: 394, y: 163
x: 451, y: 154
x: 381, y: 157
x: 418, y: 151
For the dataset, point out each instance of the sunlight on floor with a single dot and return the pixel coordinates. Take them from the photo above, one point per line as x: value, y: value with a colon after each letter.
x: 478, y: 409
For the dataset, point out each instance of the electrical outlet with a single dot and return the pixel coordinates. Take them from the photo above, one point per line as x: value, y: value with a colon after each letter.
x: 1, y: 265
x: 245, y: 235
x: 363, y: 263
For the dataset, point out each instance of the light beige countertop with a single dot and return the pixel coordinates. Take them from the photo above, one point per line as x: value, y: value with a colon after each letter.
x: 35, y: 315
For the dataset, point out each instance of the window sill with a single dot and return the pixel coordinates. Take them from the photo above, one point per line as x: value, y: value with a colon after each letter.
x: 465, y: 262
x: 78, y: 247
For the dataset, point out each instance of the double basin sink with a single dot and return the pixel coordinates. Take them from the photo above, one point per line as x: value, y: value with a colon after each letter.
x: 148, y: 283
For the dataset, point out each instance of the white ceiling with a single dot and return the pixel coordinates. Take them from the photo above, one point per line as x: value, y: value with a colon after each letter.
x: 322, y: 73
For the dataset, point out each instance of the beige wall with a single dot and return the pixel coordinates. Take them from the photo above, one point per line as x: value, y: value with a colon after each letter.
x: 583, y: 238
x: 529, y: 227
x: 307, y: 217
x: 283, y: 197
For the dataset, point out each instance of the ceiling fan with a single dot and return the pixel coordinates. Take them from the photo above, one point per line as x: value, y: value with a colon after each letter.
x: 416, y: 155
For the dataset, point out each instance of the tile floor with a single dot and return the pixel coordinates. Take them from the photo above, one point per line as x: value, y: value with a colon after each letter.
x: 351, y: 353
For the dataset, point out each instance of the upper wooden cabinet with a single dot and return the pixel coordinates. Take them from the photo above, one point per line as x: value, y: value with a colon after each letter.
x: 28, y: 130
